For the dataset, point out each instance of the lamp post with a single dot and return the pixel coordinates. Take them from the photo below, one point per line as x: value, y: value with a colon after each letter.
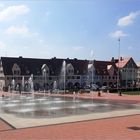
x: 92, y: 66
x: 118, y: 77
x: 92, y: 71
x: 126, y: 70
x: 64, y: 76
x: 132, y: 81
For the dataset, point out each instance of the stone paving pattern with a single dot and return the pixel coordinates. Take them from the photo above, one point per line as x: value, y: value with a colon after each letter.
x: 117, y: 128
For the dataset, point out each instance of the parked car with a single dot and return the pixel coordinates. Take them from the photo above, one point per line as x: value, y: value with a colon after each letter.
x: 87, y: 88
x: 104, y: 88
x: 94, y: 87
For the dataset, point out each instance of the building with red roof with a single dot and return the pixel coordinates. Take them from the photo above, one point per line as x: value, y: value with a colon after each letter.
x: 128, y: 71
x: 78, y: 73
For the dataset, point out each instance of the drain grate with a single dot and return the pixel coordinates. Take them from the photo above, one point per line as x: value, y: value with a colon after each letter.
x: 134, y: 128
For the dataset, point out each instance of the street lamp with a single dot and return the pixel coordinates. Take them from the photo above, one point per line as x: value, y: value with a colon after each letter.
x: 132, y: 81
x: 118, y: 77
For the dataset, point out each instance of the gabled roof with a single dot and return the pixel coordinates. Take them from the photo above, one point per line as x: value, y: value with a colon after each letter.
x: 101, y: 67
x: 122, y: 62
x: 33, y: 66
x: 109, y: 67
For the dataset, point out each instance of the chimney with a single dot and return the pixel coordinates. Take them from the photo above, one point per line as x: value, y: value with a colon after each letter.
x: 112, y: 59
x: 121, y: 58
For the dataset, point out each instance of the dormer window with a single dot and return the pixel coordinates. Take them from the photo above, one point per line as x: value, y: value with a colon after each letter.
x: 110, y: 70
x: 91, y: 69
x: 84, y: 72
x: 16, y: 69
x: 27, y: 71
x: 77, y: 71
x: 45, y: 70
x: 70, y: 69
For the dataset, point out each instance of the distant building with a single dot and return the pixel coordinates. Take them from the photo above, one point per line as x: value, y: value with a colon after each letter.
x: 47, y: 72
x: 138, y: 74
x: 128, y: 71
x: 104, y: 73
x: 2, y: 80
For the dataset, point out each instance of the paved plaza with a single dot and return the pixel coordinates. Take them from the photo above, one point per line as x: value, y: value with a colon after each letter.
x: 113, y: 125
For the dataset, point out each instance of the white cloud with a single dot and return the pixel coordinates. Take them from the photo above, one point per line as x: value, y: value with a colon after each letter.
x: 127, y: 20
x: 1, y: 5
x: 19, y: 30
x: 118, y: 34
x: 23, y: 30
x: 12, y: 12
x: 2, y: 45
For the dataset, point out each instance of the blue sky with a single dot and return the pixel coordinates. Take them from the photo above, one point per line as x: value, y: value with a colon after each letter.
x: 83, y: 29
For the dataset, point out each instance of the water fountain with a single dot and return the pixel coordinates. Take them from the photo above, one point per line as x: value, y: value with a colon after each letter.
x: 12, y: 87
x: 91, y: 69
x: 62, y: 80
x: 31, y: 85
x: 55, y: 87
x: 1, y: 86
x: 56, y: 106
x: 22, y: 84
x: 44, y: 74
x: 52, y: 106
x: 21, y: 87
x: 9, y: 88
x: 13, y: 84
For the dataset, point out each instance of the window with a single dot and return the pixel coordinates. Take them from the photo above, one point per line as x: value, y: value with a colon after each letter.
x: 27, y: 71
x: 45, y: 70
x: 16, y: 69
x: 77, y: 71
x: 78, y: 77
x: 84, y: 71
x: 70, y: 69
x: 16, y: 72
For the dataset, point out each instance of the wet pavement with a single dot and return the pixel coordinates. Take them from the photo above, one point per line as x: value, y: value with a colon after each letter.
x: 113, y: 128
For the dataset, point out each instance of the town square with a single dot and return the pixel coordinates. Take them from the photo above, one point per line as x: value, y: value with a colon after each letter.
x: 69, y: 70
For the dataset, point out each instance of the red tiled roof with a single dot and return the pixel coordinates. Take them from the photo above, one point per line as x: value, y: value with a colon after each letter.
x: 122, y: 62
